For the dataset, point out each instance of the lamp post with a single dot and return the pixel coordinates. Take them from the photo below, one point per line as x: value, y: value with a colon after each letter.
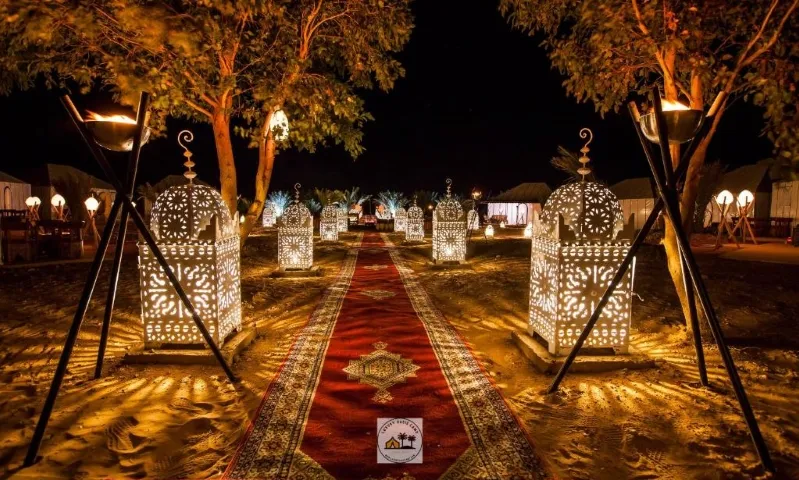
x: 91, y: 207
x: 33, y: 204
x: 58, y: 202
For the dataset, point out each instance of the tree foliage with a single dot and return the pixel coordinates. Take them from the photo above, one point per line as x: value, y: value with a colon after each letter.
x: 231, y: 63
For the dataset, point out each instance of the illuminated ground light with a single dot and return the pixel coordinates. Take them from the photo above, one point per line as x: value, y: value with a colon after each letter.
x: 295, y: 236
x: 400, y: 220
x: 200, y: 240
x: 328, y: 223
x: 449, y: 230
x: 578, y: 243
x: 269, y: 217
x: 414, y: 228
x: 528, y: 231
x: 489, y: 231
x: 343, y: 219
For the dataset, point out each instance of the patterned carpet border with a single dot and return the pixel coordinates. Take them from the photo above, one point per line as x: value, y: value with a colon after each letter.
x: 269, y: 445
x: 496, y: 435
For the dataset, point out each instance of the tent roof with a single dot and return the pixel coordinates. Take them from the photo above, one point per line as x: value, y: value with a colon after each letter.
x: 52, y: 172
x: 633, y: 188
x: 531, y: 192
x: 4, y: 177
x: 748, y: 177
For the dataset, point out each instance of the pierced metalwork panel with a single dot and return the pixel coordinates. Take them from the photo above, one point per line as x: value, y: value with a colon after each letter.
x: 414, y: 228
x: 268, y: 217
x: 343, y: 220
x: 182, y: 213
x: 328, y: 223
x: 400, y: 220
x: 295, y: 238
x: 603, y: 217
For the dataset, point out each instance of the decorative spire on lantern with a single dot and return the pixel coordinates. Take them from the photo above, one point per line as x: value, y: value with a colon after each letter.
x: 297, y: 187
x: 584, y: 170
x: 449, y: 187
x: 188, y: 137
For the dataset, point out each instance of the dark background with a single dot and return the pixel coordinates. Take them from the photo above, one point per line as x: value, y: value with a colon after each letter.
x: 479, y: 103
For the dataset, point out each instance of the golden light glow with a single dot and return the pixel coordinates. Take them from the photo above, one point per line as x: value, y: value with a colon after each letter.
x: 33, y: 202
x: 528, y: 231
x: 490, y: 231
x: 279, y: 125
x: 328, y: 223
x: 745, y: 198
x: 91, y: 204
x: 400, y: 220
x: 58, y: 201
x: 414, y: 228
x: 96, y: 117
x: 669, y: 106
x: 295, y: 238
x: 502, y: 224
x: 449, y: 231
x: 724, y: 198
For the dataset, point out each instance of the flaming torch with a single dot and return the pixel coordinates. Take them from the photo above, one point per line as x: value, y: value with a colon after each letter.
x: 114, y: 132
x: 682, y: 122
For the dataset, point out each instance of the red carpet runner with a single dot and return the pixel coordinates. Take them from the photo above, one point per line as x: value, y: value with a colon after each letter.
x: 377, y: 348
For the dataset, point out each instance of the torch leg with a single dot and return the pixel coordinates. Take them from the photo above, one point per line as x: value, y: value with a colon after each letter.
x: 697, y: 334
x: 72, y: 337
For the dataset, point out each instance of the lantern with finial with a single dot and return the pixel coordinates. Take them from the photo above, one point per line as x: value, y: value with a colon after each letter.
x: 343, y: 218
x: 400, y: 220
x: 268, y: 218
x: 200, y: 240
x: 414, y: 226
x: 449, y: 230
x: 472, y: 217
x: 328, y: 223
x: 295, y: 236
x: 578, y: 243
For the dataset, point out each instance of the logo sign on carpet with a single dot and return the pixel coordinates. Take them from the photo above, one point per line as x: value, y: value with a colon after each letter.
x: 399, y: 440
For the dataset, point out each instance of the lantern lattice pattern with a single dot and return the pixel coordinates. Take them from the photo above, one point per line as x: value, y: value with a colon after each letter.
x: 449, y: 231
x: 400, y: 220
x: 473, y: 220
x: 343, y: 219
x: 295, y: 238
x: 576, y: 249
x: 414, y: 226
x: 328, y: 223
x: 200, y: 240
x: 268, y: 217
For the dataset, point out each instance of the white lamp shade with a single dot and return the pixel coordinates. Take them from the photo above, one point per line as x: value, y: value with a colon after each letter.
x: 33, y: 201
x: 502, y: 224
x: 745, y: 198
x: 490, y: 231
x: 528, y: 231
x: 57, y: 201
x: 279, y: 125
x: 724, y: 198
x: 91, y: 204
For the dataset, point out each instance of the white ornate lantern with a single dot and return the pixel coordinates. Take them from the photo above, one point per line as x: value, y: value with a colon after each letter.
x: 489, y: 233
x: 269, y: 218
x: 342, y: 218
x: 576, y: 249
x: 400, y: 220
x: 295, y: 236
x: 328, y: 223
x: 473, y: 220
x: 449, y: 230
x: 200, y: 240
x: 414, y: 226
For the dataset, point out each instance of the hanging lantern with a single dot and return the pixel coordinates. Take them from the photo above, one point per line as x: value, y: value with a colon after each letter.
x: 400, y: 220
x: 269, y: 217
x: 414, y: 226
x: 449, y: 230
x: 200, y: 241
x: 576, y: 249
x: 328, y: 223
x: 295, y: 236
x: 279, y: 125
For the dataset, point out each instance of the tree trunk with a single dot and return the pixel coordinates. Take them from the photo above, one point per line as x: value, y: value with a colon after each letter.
x: 266, y: 163
x: 227, y: 166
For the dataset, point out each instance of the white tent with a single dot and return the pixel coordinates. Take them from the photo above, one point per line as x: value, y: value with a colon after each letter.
x: 517, y: 205
x: 636, y: 196
x: 785, y: 200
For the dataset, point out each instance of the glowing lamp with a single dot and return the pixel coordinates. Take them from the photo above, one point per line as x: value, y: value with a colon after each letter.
x: 114, y: 132
x: 268, y: 218
x: 449, y: 230
x: 489, y: 231
x: 502, y: 224
x: 414, y: 228
x: 343, y: 219
x: 473, y: 220
x: 577, y: 244
x: 279, y: 125
x: 682, y: 122
x: 200, y: 240
x: 528, y: 231
x: 724, y: 198
x: 328, y: 223
x: 91, y: 205
x: 57, y: 201
x: 295, y: 236
x: 745, y: 198
x: 33, y: 202
x: 242, y: 219
x: 400, y: 220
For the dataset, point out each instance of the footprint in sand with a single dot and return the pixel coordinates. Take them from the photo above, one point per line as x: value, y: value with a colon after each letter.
x: 121, y: 440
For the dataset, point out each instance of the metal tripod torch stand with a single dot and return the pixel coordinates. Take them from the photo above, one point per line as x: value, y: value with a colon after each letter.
x: 123, y: 138
x: 677, y: 126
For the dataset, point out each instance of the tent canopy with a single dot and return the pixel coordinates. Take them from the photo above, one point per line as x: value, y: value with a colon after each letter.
x: 531, y: 192
x: 633, y: 188
x: 52, y: 173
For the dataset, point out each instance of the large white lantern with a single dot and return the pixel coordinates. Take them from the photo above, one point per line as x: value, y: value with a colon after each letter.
x: 295, y: 236
x: 328, y: 223
x: 400, y: 220
x: 449, y: 230
x: 269, y: 217
x: 577, y: 247
x: 414, y: 227
x: 200, y: 241
x: 473, y: 220
x: 343, y: 219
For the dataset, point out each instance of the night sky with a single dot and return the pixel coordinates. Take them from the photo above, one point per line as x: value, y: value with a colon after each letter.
x: 479, y: 103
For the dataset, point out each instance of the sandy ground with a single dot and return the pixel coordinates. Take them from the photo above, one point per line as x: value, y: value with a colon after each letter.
x: 640, y: 424
x: 181, y: 421
x: 138, y: 421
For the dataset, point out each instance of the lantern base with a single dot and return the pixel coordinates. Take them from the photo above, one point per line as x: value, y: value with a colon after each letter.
x: 314, y: 271
x: 545, y: 362
x: 450, y: 265
x: 233, y: 346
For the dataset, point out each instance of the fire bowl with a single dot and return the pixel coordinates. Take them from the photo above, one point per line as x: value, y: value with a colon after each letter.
x: 115, y: 136
x: 682, y: 125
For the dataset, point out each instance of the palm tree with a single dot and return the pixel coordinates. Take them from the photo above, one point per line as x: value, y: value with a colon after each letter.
x: 327, y: 196
x: 314, y: 206
x: 391, y: 201
x: 402, y: 437
x: 281, y: 200
x: 353, y: 197
x: 411, y: 438
x: 426, y: 198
